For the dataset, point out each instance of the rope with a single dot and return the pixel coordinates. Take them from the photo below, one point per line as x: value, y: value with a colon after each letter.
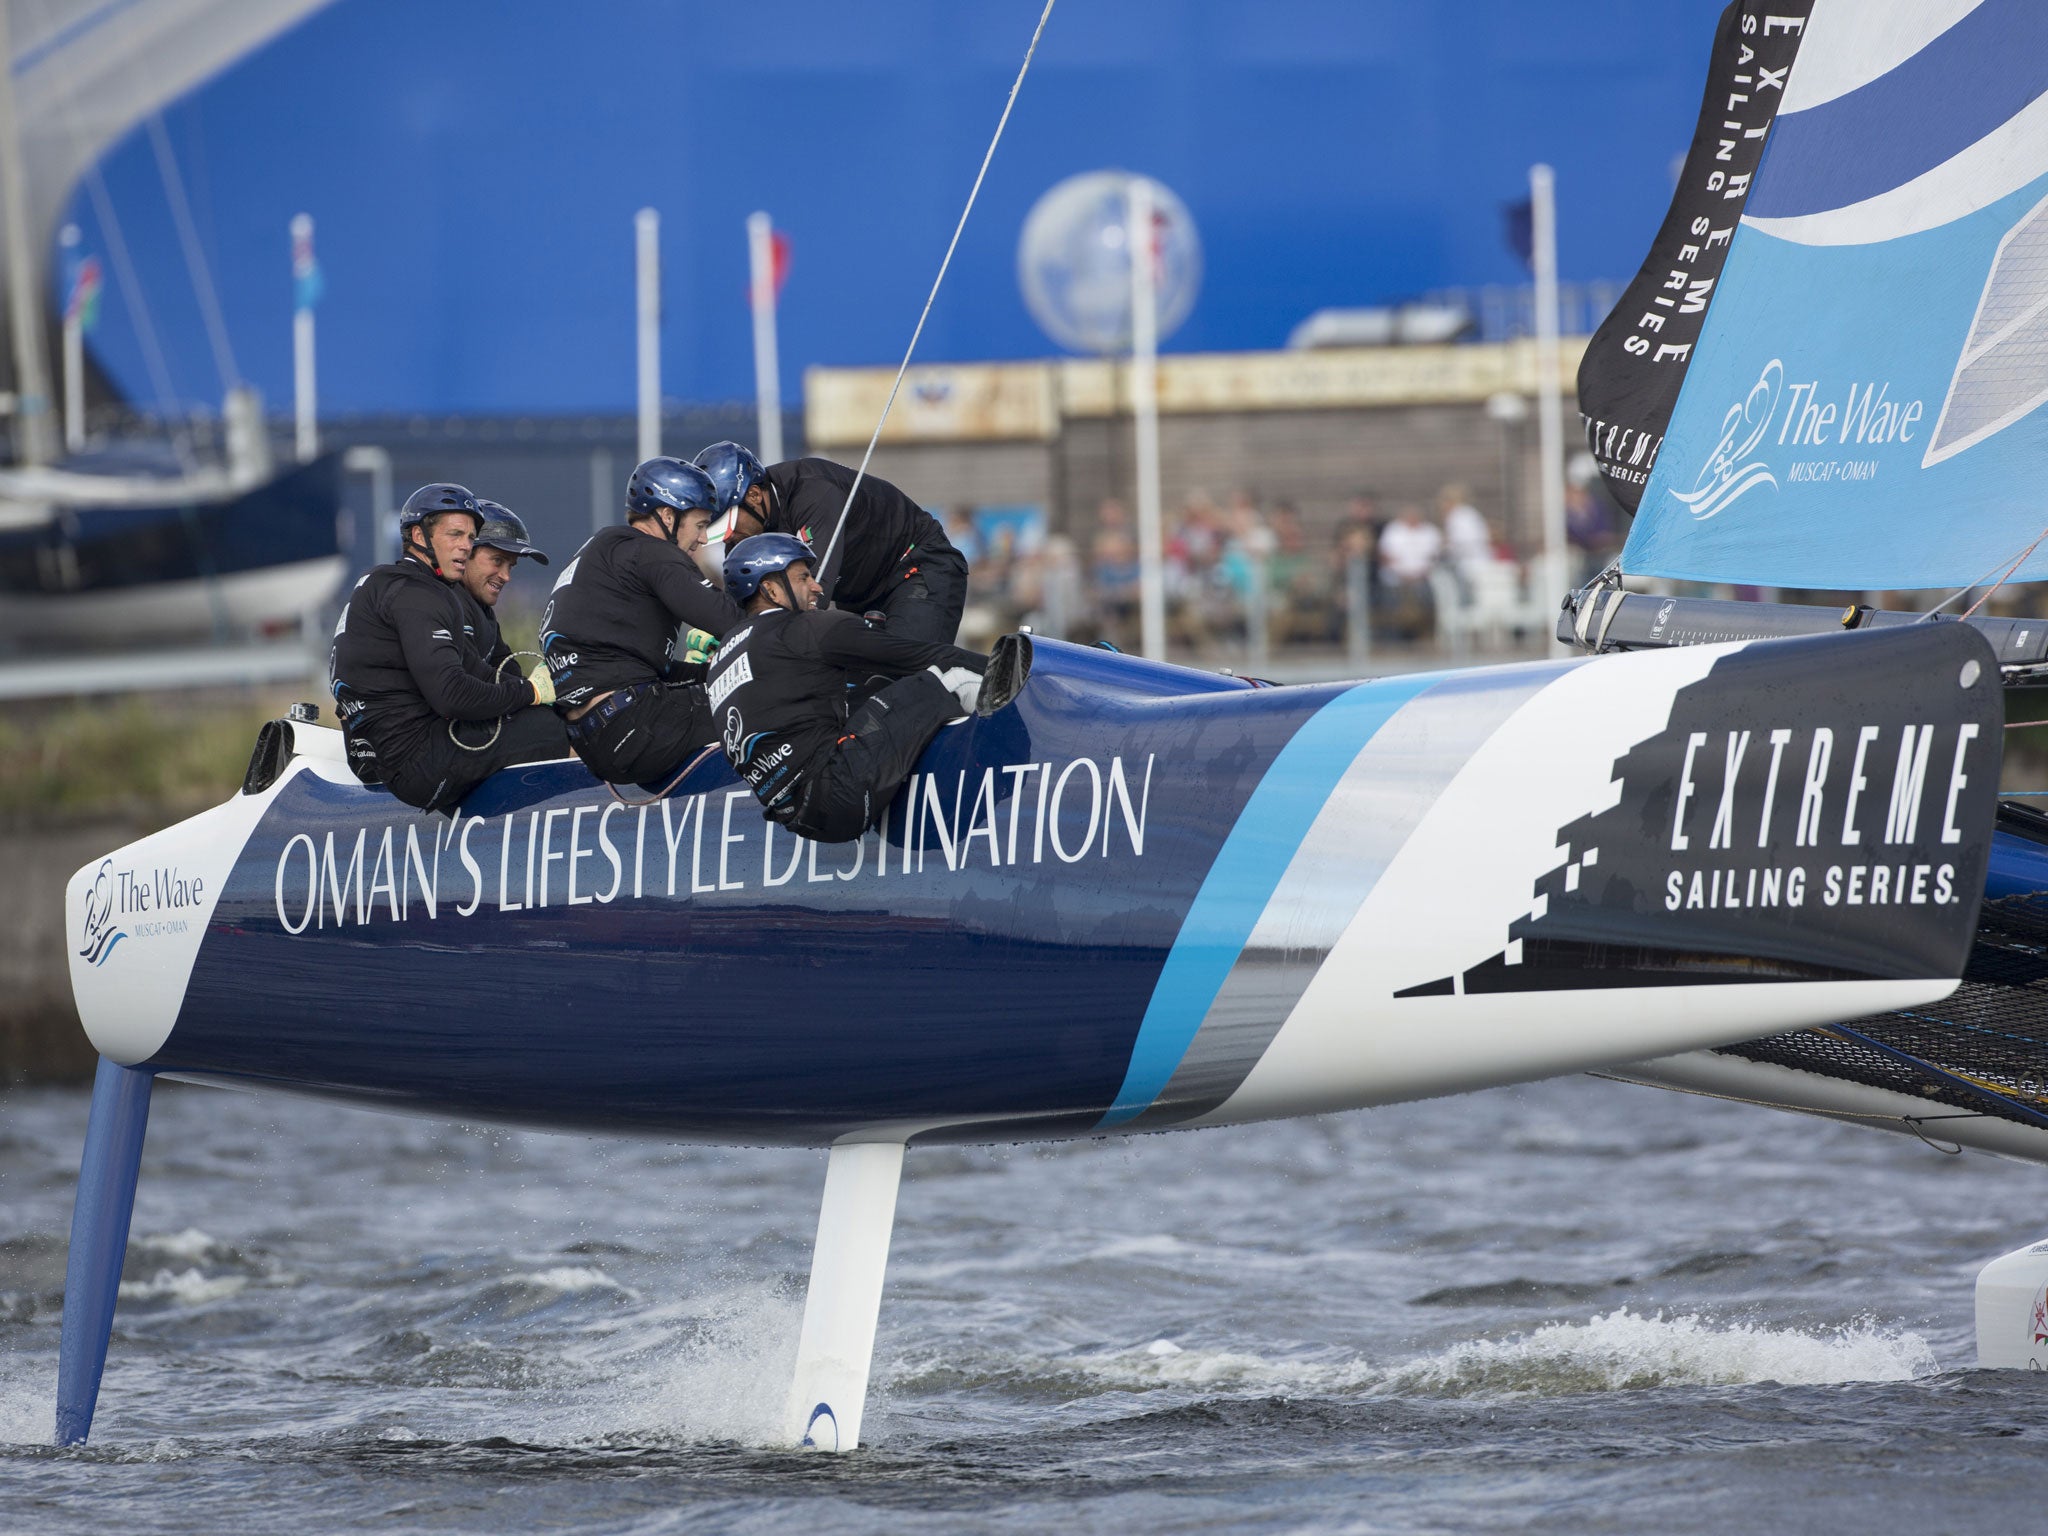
x: 663, y: 793
x: 2008, y: 566
x: 825, y: 562
x: 498, y: 725
x: 2016, y: 564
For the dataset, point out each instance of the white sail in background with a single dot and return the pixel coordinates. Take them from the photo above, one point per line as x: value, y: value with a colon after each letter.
x: 87, y: 71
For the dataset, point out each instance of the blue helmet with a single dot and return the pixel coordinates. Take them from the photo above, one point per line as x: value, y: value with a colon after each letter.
x: 733, y: 471
x: 432, y: 500
x: 503, y: 529
x: 751, y: 561
x: 669, y: 485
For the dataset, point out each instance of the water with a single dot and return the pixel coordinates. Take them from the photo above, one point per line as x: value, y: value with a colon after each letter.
x: 1576, y: 1305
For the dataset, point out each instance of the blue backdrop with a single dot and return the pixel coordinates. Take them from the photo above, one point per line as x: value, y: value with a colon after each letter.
x: 474, y: 170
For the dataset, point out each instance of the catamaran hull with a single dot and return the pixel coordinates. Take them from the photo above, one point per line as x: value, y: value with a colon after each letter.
x: 1096, y: 909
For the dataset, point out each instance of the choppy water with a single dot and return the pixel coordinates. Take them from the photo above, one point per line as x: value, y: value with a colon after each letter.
x: 1577, y: 1305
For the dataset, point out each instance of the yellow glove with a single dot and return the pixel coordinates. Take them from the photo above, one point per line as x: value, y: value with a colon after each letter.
x: 543, y: 685
x: 698, y: 646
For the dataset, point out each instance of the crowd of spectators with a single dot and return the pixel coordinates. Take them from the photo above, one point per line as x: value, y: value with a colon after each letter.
x: 1247, y: 577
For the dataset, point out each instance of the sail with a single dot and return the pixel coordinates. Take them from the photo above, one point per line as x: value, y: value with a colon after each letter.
x: 87, y: 71
x: 1867, y: 403
x: 1633, y: 366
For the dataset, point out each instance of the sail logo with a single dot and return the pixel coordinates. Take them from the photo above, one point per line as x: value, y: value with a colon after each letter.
x: 98, y: 930
x: 1814, y: 423
x: 1731, y: 471
x: 150, y: 904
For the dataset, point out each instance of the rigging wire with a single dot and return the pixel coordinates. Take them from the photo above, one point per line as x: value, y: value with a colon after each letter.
x: 67, y: 94
x: 138, y: 306
x: 195, y: 254
x: 825, y: 561
x: 2016, y: 564
x: 2007, y: 566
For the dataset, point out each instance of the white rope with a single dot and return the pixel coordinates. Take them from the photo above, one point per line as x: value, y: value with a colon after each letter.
x: 825, y: 561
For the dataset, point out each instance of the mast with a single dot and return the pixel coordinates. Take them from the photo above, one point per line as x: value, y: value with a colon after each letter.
x: 34, y: 441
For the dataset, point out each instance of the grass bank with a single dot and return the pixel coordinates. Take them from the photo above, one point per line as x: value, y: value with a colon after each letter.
x: 143, y: 759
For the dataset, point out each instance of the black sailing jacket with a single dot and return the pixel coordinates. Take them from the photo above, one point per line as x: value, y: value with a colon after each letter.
x: 778, y: 686
x: 612, y: 618
x: 402, y: 664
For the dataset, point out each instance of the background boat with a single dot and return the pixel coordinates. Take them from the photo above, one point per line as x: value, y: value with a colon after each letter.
x: 141, y: 537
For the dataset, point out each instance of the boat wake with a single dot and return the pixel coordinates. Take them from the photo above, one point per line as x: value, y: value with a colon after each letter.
x: 719, y: 1374
x: 1619, y: 1351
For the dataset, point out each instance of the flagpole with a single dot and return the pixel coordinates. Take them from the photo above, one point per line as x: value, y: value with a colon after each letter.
x: 305, y: 389
x: 767, y: 366
x: 647, y: 293
x: 1549, y: 363
x: 1139, y: 241
x: 74, y: 345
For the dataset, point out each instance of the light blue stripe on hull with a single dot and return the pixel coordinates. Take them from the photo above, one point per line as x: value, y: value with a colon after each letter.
x: 1263, y: 849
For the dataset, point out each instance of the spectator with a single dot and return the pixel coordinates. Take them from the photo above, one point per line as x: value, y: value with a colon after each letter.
x: 966, y: 537
x: 1410, y: 547
x: 1247, y: 545
x: 1468, y: 542
x: 1358, y: 540
x: 1115, y: 572
x: 1299, y: 581
x: 1589, y: 529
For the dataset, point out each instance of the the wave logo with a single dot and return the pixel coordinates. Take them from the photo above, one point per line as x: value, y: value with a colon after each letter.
x: 1731, y: 470
x: 98, y: 930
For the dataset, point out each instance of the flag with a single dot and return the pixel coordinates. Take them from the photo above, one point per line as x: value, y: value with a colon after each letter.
x: 1520, y: 229
x: 778, y: 260
x: 307, y: 283
x: 778, y: 266
x: 82, y: 296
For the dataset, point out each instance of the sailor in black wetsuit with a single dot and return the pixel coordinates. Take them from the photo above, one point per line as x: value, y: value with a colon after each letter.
x: 779, y: 689
x: 635, y: 712
x: 498, y: 548
x: 420, y: 711
x: 893, y: 557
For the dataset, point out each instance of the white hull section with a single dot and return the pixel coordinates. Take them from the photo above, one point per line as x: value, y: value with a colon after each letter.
x: 247, y: 600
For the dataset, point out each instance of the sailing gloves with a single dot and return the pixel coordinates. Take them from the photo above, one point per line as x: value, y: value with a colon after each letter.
x: 964, y: 685
x: 543, y: 685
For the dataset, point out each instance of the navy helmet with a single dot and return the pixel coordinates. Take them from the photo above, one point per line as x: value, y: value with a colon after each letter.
x: 503, y: 529
x: 733, y: 471
x: 669, y: 485
x: 430, y: 501
x: 751, y: 561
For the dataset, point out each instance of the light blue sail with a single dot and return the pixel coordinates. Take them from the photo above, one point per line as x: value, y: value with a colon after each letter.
x: 1868, y: 404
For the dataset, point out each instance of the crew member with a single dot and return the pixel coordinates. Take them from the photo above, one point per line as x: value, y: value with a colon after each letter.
x: 420, y: 711
x: 499, y: 547
x: 610, y: 630
x: 779, y: 687
x: 893, y: 557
